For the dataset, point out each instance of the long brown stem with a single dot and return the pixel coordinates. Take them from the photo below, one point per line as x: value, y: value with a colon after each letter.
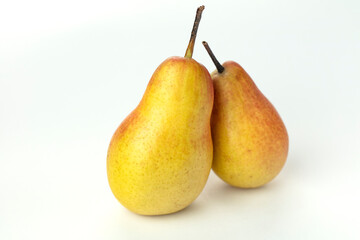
x: 190, y: 48
x: 219, y: 67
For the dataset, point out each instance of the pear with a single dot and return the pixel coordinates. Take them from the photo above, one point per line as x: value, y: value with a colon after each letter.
x: 159, y: 158
x: 250, y: 139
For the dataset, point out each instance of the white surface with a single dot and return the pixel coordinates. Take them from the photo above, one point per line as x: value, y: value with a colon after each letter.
x: 70, y: 71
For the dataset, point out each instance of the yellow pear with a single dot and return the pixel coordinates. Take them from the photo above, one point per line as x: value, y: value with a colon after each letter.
x: 250, y: 139
x: 160, y: 157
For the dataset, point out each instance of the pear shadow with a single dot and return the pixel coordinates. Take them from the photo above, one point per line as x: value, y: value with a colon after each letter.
x: 218, y: 198
x: 223, y: 194
x: 153, y: 225
x: 137, y: 226
x: 220, y: 191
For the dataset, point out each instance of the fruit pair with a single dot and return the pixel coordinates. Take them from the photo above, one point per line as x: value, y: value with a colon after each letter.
x: 160, y: 157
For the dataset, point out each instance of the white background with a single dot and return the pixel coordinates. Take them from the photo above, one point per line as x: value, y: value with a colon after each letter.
x: 72, y: 70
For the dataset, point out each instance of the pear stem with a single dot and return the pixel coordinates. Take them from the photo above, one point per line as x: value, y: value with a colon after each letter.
x: 190, y: 48
x: 219, y: 67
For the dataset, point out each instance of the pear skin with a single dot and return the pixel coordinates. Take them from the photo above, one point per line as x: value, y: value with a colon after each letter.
x: 250, y: 139
x: 160, y: 157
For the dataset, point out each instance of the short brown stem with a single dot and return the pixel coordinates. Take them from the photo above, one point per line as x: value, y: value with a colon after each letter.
x: 190, y: 48
x: 219, y: 67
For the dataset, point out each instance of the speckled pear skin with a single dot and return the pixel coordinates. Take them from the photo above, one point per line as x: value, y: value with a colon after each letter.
x: 160, y: 157
x: 250, y: 139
